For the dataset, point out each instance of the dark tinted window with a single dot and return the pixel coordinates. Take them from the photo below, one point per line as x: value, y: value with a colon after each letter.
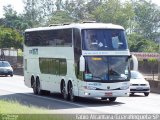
x: 104, y: 39
x: 4, y: 64
x: 53, y: 66
x: 61, y: 37
x: 77, y: 49
x: 62, y: 67
x: 106, y: 68
x: 77, y: 38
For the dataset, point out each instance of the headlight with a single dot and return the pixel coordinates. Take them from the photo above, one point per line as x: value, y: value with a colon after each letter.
x: 124, y: 87
x: 147, y: 84
x: 9, y: 70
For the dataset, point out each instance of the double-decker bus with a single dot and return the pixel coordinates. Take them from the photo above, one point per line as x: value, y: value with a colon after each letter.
x: 78, y: 60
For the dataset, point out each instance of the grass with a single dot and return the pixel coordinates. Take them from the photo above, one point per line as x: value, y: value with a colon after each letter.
x: 16, y: 111
x: 13, y: 107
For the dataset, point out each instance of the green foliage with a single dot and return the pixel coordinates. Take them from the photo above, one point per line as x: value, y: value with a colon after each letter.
x: 152, y: 60
x: 14, y: 107
x: 10, y: 38
x: 20, y: 52
x: 147, y: 18
x: 12, y: 20
x: 140, y: 18
x: 138, y: 43
x: 60, y: 17
x: 113, y: 11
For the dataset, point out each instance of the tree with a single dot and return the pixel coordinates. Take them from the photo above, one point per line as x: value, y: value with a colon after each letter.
x: 138, y: 43
x: 10, y: 38
x: 37, y: 12
x: 113, y: 11
x: 12, y: 20
x: 60, y: 17
x: 76, y: 9
x: 147, y: 18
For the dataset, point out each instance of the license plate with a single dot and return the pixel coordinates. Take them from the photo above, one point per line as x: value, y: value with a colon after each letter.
x: 108, y: 94
x: 139, y: 88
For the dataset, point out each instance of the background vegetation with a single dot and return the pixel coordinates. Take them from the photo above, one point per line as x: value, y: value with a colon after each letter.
x: 141, y: 19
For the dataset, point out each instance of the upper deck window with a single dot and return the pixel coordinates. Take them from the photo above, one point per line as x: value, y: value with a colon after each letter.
x: 60, y: 37
x: 104, y: 39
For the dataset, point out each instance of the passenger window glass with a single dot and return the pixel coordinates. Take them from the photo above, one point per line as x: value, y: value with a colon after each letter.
x: 61, y: 37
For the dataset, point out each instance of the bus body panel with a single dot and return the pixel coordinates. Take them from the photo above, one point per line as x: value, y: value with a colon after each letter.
x: 36, y: 56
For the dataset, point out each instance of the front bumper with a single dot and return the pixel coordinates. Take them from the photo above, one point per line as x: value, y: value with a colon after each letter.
x: 103, y: 93
x: 139, y: 89
x: 6, y: 73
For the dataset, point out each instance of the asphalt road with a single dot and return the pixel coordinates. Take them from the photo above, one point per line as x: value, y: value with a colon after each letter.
x: 13, y: 88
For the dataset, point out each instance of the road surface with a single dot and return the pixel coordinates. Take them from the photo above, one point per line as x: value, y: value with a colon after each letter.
x: 13, y: 88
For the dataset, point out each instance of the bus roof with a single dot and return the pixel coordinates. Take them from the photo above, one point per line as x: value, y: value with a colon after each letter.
x: 79, y: 25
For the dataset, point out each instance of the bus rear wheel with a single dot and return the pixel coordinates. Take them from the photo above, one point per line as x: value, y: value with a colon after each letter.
x: 39, y: 91
x: 64, y: 93
x: 34, y: 86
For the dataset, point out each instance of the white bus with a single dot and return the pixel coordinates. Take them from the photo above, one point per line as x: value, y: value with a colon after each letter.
x: 78, y: 60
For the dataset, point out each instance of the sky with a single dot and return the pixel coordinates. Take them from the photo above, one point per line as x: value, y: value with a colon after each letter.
x: 18, y: 5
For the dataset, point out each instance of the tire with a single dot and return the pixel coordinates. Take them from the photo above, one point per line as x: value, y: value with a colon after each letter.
x: 70, y: 93
x: 64, y: 92
x: 11, y: 75
x: 146, y: 93
x: 103, y: 98
x: 132, y: 93
x: 34, y: 86
x: 39, y: 91
x: 112, y: 99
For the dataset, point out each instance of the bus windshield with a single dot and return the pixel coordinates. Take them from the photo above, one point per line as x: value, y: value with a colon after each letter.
x: 104, y: 39
x: 106, y: 68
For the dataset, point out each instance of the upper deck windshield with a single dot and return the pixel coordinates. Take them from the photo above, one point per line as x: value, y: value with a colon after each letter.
x: 104, y: 39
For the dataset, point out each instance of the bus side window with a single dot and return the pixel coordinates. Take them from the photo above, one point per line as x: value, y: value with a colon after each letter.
x: 63, y: 67
x: 56, y: 67
x: 67, y: 37
x: 25, y: 64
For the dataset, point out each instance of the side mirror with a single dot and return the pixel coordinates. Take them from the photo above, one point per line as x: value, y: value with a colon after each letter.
x: 82, y: 64
x: 135, y: 63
